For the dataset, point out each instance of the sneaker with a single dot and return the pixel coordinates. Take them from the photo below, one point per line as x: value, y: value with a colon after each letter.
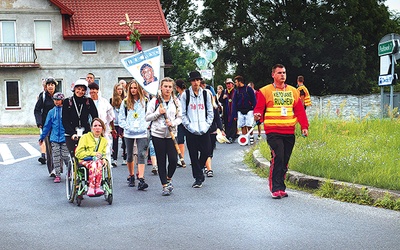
x: 276, y: 195
x: 155, y: 170
x: 179, y: 164
x: 53, y: 173
x: 259, y: 137
x: 209, y: 173
x: 170, y: 187
x: 132, y: 181
x: 99, y: 191
x: 114, y: 163
x: 197, y: 184
x: 90, y: 192
x: 283, y: 193
x: 123, y: 162
x: 57, y: 179
x: 165, y: 191
x: 142, y: 185
x: 42, y: 160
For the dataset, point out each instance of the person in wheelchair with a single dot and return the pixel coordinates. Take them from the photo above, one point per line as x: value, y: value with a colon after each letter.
x: 90, y: 152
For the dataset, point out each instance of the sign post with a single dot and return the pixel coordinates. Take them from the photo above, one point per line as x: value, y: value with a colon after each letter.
x: 388, y: 51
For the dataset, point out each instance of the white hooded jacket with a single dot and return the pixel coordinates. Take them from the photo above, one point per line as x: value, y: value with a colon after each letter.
x: 194, y: 117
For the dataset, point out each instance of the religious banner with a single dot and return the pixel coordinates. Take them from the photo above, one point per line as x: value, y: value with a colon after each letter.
x: 145, y: 68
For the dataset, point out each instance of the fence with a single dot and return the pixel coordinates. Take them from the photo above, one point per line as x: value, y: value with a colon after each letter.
x: 17, y: 53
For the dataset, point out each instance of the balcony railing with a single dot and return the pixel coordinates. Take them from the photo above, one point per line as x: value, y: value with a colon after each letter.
x: 17, y: 53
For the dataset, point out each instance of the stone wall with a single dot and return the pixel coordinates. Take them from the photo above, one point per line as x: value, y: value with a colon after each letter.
x: 350, y: 106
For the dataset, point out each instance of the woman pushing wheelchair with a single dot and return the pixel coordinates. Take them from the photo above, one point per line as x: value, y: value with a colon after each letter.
x: 90, y: 152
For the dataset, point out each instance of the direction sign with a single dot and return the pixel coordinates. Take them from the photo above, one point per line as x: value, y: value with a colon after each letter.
x: 385, y: 80
x: 386, y: 48
x: 388, y: 38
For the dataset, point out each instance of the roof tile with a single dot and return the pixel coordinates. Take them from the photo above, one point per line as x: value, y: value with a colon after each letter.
x: 99, y: 19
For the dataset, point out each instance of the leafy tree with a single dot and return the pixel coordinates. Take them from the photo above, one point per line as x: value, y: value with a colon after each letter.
x: 180, y: 58
x: 180, y: 16
x: 332, y: 43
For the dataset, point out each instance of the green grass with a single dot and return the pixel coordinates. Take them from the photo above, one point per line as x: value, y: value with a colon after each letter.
x: 19, y: 131
x: 364, y: 152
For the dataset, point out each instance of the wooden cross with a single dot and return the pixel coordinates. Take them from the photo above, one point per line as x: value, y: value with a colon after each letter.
x: 129, y: 23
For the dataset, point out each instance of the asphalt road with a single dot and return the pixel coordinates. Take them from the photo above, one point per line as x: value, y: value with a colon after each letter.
x: 233, y: 210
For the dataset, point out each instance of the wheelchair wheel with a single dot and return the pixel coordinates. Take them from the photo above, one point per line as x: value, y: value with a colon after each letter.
x: 70, y: 180
x: 107, y: 183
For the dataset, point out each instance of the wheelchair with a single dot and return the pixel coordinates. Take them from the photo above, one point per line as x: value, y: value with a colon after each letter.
x: 77, y: 183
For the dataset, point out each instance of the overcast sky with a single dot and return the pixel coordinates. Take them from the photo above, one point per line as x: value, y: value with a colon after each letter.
x: 393, y: 5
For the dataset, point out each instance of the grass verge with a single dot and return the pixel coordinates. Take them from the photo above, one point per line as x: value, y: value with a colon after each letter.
x: 329, y: 155
x: 19, y: 131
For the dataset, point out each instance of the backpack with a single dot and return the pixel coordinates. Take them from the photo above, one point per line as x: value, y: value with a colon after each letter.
x: 188, y: 99
x: 244, y: 111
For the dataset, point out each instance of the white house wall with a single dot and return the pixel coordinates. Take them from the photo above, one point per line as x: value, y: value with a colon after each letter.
x: 64, y: 61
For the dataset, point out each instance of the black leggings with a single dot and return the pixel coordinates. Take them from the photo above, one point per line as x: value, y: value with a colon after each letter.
x: 165, y: 147
x: 115, y: 144
x: 213, y: 144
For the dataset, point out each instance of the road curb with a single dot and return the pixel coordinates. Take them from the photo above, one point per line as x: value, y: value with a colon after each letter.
x: 314, y: 182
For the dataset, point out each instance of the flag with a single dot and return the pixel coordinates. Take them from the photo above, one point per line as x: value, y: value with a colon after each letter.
x: 145, y: 68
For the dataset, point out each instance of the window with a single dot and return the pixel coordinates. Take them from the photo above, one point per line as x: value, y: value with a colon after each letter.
x: 7, y: 31
x: 8, y: 37
x: 125, y: 46
x: 12, y: 94
x: 43, y: 34
x: 88, y: 46
x: 59, y: 86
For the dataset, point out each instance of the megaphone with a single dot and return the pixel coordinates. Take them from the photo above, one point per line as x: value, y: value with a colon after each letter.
x: 244, y: 140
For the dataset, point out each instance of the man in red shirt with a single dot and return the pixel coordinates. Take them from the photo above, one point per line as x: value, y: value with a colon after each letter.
x: 280, y: 107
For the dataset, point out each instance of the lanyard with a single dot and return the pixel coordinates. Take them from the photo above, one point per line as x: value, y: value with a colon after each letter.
x: 78, y: 112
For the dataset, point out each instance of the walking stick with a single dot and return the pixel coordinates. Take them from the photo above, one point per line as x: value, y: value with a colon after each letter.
x: 172, y: 134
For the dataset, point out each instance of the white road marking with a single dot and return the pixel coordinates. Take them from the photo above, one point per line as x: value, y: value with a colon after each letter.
x: 31, y: 150
x: 8, y: 158
x: 5, y: 153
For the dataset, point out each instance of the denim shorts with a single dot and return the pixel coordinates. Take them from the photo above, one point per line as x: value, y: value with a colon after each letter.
x: 246, y: 120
